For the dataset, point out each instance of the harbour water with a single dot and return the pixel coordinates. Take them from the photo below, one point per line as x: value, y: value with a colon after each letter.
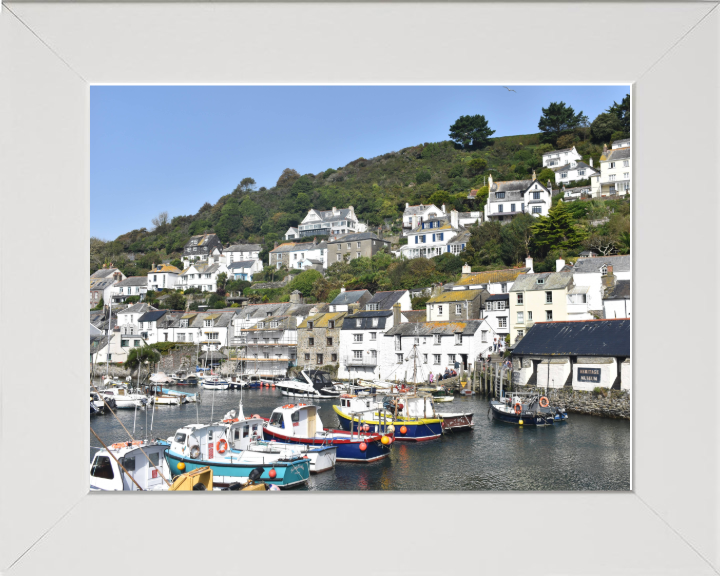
x: 586, y: 453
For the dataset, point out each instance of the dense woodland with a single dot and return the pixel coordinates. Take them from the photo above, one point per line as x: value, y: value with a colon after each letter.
x: 378, y: 188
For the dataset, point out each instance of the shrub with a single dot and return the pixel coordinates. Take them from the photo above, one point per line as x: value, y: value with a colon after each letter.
x: 418, y: 303
x: 600, y: 391
x: 423, y: 176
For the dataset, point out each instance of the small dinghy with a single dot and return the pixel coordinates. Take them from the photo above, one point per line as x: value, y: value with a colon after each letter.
x: 526, y: 409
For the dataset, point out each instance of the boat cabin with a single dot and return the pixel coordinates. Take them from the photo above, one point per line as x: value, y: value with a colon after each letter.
x: 300, y: 420
x: 205, y: 441
x: 105, y: 474
x: 319, y: 379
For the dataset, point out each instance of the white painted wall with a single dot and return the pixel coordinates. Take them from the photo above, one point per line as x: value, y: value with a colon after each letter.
x: 608, y: 372
x: 159, y: 280
x: 617, y: 308
x: 553, y: 373
x: 377, y: 346
x: 554, y: 159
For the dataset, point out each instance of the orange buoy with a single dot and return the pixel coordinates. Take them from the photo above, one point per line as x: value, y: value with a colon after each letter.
x: 363, y: 446
x: 272, y: 473
x: 385, y: 440
x: 403, y: 430
x: 366, y: 427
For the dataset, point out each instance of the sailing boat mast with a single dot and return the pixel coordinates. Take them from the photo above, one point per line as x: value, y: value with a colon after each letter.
x: 107, y: 354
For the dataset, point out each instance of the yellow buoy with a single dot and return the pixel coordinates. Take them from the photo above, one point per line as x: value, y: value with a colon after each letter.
x: 181, y: 466
x: 385, y: 440
x: 520, y: 422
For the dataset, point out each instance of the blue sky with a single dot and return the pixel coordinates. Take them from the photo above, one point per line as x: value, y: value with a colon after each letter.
x: 173, y: 148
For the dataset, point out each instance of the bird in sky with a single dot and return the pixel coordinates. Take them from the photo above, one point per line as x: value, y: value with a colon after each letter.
x: 509, y: 89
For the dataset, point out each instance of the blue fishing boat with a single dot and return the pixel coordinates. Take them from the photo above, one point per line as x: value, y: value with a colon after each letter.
x: 413, y: 417
x: 526, y: 409
x: 232, y: 449
x: 301, y: 424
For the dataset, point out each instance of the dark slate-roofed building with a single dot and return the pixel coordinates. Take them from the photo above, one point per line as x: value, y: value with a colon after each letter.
x: 584, y: 354
x: 507, y: 199
x: 385, y: 300
x: 347, y: 298
x: 132, y: 286
x: 363, y: 350
x: 201, y: 247
x: 616, y: 301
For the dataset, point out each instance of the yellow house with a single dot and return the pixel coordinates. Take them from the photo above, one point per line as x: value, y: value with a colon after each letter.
x: 545, y: 297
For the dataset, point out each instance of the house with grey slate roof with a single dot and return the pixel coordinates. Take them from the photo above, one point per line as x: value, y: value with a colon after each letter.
x: 574, y: 170
x: 509, y: 198
x: 244, y: 270
x: 294, y: 254
x: 202, y: 247
x: 599, y: 273
x: 330, y: 222
x: 132, y: 286
x: 352, y: 246
x: 414, y: 215
x: 201, y: 275
x: 347, y: 298
x: 615, y: 170
x: 560, y: 157
x: 241, y: 252
x: 386, y: 300
x: 616, y: 300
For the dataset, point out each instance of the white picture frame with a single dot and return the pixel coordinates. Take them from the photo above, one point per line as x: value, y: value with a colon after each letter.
x: 50, y: 53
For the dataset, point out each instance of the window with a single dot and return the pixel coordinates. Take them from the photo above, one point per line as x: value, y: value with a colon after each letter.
x: 520, y: 318
x: 357, y: 354
x: 483, y: 336
x: 109, y: 357
x: 358, y: 323
x: 548, y: 315
x: 190, y: 337
x: 329, y: 342
x: 626, y: 175
x: 520, y: 298
x: 612, y: 177
x: 499, y: 194
x: 310, y: 325
x: 311, y: 341
x: 102, y: 468
x: 458, y: 339
x: 563, y: 174
x: 436, y: 359
x: 358, y: 244
x: 520, y: 333
x: 612, y: 164
x: 581, y: 172
x: 440, y: 309
x: 529, y: 315
x: 458, y: 308
x: 373, y: 336
x: 319, y: 361
x: 441, y: 236
x: 357, y: 337
x: 536, y: 195
x: 500, y: 208
x: 333, y: 357
x: 339, y: 257
x: 537, y: 209
x: 502, y: 321
x: 348, y: 245
x: 331, y: 324
x: 124, y: 343
x: 358, y: 254
x: 548, y: 297
x: 436, y: 339
x: 208, y: 323
x: 425, y: 358
x: 181, y: 337
x: 307, y: 357
x: 541, y: 281
x: 136, y: 344
x: 399, y: 358
x: 512, y: 207
x: 375, y: 322
x: 626, y: 163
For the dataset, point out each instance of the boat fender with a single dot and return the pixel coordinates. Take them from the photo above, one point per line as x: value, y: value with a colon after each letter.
x: 195, y: 452
x: 544, y: 402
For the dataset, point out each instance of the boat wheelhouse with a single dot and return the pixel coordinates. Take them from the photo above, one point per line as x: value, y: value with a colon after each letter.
x: 526, y: 409
x: 144, y: 461
x: 310, y: 384
x: 301, y: 424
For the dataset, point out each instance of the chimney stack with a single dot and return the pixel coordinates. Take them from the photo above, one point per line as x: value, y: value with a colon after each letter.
x: 533, y: 176
x: 454, y: 218
x: 407, y: 205
x: 605, y: 150
x: 413, y: 221
x: 443, y: 208
x: 591, y: 162
x: 559, y: 264
x: 396, y: 314
x: 608, y: 280
x: 529, y: 264
x: 466, y: 270
x: 342, y: 289
x: 275, y: 244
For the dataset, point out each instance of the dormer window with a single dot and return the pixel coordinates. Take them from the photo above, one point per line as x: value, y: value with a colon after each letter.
x: 541, y: 280
x: 331, y: 324
x: 208, y: 323
x: 310, y: 325
x: 603, y: 270
x: 358, y: 323
x: 499, y: 194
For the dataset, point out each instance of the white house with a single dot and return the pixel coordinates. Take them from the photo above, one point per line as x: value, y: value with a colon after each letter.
x: 298, y: 253
x: 330, y: 222
x: 432, y: 236
x: 347, y: 298
x: 494, y: 281
x: 162, y: 276
x: 573, y: 171
x: 363, y: 351
x: 102, y: 289
x: 292, y: 234
x: 386, y: 300
x: 470, y: 218
x: 509, y: 198
x: 128, y: 320
x: 118, y: 348
x: 557, y: 158
x: 615, y: 169
x: 414, y: 215
x: 202, y: 275
x: 241, y: 253
x: 210, y: 330
x: 426, y: 347
x: 244, y: 270
x: 155, y: 325
x: 616, y: 301
x: 497, y: 314
x: 132, y: 286
x: 599, y: 273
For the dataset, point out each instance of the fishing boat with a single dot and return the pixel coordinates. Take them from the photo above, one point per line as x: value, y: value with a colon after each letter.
x: 456, y: 421
x: 159, y: 398
x: 141, y: 460
x: 185, y: 396
x: 413, y: 416
x: 310, y: 384
x: 526, y: 409
x: 301, y: 424
x: 439, y: 393
x: 214, y: 383
x: 94, y: 410
x: 232, y: 450
x: 237, y: 384
x: 124, y: 398
x: 188, y: 380
x: 163, y: 395
x: 99, y: 404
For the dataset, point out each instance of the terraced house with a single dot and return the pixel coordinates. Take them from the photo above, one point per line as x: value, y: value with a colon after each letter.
x: 364, y: 352
x: 494, y: 281
x: 296, y: 254
x: 202, y: 247
x: 432, y: 237
x: 132, y: 286
x: 202, y: 276
x: 351, y: 246
x: 456, y: 305
x: 509, y: 198
x: 319, y: 340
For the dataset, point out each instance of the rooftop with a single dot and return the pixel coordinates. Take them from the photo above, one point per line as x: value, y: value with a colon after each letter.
x: 133, y: 281
x: 357, y: 238
x: 550, y: 281
x: 348, y: 297
x: 427, y: 328
x: 419, y: 209
x: 558, y: 151
x: 621, y: 291
x: 577, y: 338
x: 243, y: 248
x: 594, y: 265
x: 243, y: 264
x: 456, y: 296
x: 385, y: 300
x: 492, y: 276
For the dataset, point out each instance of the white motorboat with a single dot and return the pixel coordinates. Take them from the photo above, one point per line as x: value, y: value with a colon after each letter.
x: 124, y: 398
x: 310, y: 384
x: 214, y: 383
x: 106, y: 474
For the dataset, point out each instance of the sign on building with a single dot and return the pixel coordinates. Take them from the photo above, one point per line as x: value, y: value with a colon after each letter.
x: 589, y: 375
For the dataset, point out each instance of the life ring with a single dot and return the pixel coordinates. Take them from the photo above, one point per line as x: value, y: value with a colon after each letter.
x: 288, y: 406
x: 518, y: 408
x: 256, y: 416
x: 302, y: 405
x: 195, y: 452
x: 222, y: 446
x: 544, y: 402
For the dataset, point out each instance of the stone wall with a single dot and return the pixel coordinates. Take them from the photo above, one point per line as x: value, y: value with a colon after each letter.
x: 614, y: 404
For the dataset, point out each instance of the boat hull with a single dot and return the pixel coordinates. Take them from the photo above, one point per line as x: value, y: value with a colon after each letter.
x: 289, y: 474
x: 458, y: 421
x: 347, y: 450
x: 528, y: 418
x: 420, y: 430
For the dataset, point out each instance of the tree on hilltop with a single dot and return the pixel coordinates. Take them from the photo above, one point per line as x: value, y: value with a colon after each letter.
x: 559, y: 119
x: 471, y: 132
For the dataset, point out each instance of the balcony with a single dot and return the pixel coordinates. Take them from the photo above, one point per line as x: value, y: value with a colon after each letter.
x: 364, y: 361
